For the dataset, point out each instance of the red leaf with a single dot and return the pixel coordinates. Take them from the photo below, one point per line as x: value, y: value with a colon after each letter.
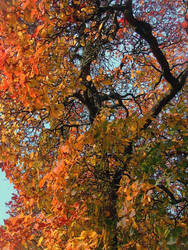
x: 184, y: 25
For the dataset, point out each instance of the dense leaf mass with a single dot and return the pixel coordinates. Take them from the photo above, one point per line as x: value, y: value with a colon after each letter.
x: 93, y: 123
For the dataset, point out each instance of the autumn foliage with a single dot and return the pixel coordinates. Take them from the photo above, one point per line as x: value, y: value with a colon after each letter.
x: 93, y: 123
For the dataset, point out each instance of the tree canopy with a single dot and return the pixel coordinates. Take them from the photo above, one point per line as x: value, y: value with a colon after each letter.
x: 93, y: 123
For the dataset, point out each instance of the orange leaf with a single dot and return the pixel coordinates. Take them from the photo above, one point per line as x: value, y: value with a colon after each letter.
x: 37, y: 30
x: 88, y: 78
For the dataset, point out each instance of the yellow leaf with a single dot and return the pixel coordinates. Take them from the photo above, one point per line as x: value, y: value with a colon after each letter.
x: 40, y: 241
x: 88, y: 10
x: 107, y: 82
x: 76, y: 2
x: 82, y: 43
x: 53, y: 111
x: 100, y: 26
x: 134, y: 224
x: 20, y: 34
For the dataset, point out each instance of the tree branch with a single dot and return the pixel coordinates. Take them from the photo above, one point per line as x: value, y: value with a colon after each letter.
x: 167, y: 98
x: 170, y: 194
x: 144, y: 29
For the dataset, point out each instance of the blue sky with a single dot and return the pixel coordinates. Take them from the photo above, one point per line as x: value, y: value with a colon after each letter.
x: 6, y: 189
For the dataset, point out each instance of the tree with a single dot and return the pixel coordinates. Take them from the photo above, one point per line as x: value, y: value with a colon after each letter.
x: 93, y: 123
